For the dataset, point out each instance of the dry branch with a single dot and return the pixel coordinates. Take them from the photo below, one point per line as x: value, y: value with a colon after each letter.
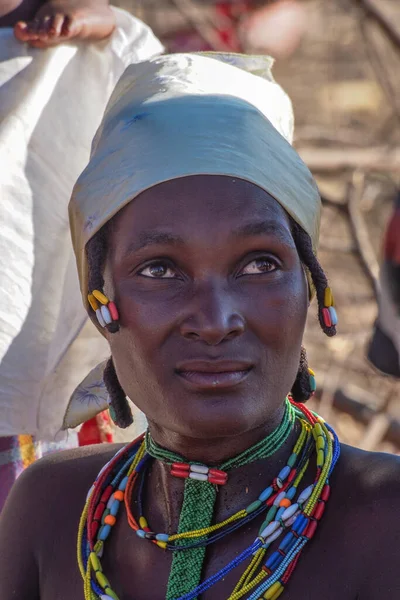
x: 362, y: 413
x: 195, y: 17
x: 379, y: 158
x: 360, y: 232
x: 372, y: 9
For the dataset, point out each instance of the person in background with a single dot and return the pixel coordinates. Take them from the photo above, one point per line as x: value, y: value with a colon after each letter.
x: 59, y: 62
x: 384, y: 348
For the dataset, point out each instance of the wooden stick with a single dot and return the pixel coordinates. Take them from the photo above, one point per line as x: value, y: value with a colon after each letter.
x: 195, y: 17
x: 379, y: 158
x: 379, y: 68
x: 378, y: 426
x: 360, y: 231
x: 355, y: 407
x: 372, y: 10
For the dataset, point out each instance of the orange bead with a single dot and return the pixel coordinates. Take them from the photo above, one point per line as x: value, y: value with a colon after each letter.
x: 110, y: 520
x: 285, y: 502
x: 118, y: 495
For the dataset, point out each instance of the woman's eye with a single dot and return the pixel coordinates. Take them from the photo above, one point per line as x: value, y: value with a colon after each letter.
x: 258, y: 266
x: 158, y: 271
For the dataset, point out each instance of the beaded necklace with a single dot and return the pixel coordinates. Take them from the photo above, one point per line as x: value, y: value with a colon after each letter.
x: 291, y: 513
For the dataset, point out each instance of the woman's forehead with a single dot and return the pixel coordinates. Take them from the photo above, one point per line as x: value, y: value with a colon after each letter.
x: 217, y: 205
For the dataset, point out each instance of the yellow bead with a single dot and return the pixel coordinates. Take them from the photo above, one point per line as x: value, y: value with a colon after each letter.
x: 320, y: 443
x: 102, y: 579
x: 110, y: 593
x: 311, y: 372
x: 143, y: 522
x: 320, y: 458
x: 100, y: 297
x: 273, y: 590
x: 328, y: 297
x: 162, y: 545
x: 93, y: 302
x: 317, y: 431
x: 95, y: 562
x: 278, y: 593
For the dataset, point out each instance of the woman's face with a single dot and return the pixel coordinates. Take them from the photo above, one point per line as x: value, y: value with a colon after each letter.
x: 212, y: 300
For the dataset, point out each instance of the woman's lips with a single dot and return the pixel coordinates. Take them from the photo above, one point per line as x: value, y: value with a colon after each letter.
x: 213, y: 375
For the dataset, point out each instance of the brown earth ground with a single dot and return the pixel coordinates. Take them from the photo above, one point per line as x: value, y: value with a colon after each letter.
x: 344, y: 84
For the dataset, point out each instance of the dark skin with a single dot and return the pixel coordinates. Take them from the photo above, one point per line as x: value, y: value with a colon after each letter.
x: 207, y: 296
x: 44, y: 24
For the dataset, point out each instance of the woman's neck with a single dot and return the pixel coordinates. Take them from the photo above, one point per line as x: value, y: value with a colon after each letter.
x: 213, y: 451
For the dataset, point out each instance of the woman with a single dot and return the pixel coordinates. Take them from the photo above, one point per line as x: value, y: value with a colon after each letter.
x: 195, y: 226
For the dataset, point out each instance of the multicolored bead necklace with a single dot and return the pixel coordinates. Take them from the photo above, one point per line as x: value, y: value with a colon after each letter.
x: 291, y: 513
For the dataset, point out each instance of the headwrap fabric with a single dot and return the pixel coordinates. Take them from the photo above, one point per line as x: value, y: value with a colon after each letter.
x: 192, y: 114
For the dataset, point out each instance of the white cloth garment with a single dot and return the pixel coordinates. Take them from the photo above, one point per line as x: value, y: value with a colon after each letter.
x: 51, y: 102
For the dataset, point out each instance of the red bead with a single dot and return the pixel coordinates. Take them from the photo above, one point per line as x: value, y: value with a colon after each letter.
x: 180, y: 467
x: 180, y: 474
x: 326, y: 317
x: 218, y: 473
x: 217, y: 480
x: 326, y: 492
x: 93, y: 529
x: 319, y: 510
x: 106, y: 494
x: 292, y: 475
x: 309, y: 532
x: 98, y: 513
x: 113, y: 311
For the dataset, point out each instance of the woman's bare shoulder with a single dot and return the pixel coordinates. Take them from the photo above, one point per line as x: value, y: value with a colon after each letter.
x: 44, y: 506
x: 364, y: 510
x: 371, y: 473
x: 69, y: 468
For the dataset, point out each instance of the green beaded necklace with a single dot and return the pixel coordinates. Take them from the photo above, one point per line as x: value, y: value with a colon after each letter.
x: 199, y: 501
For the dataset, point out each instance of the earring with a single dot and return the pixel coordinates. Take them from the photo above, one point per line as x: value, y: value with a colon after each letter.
x: 329, y: 314
x: 106, y: 311
x: 313, y: 383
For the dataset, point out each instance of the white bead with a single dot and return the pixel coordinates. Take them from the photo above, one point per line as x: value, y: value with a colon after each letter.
x: 269, y: 529
x: 105, y: 597
x: 290, y: 521
x: 305, y: 494
x: 289, y: 512
x: 198, y: 476
x: 199, y: 469
x: 105, y: 313
x: 279, y: 497
x: 279, y: 483
x: 100, y: 317
x: 274, y: 536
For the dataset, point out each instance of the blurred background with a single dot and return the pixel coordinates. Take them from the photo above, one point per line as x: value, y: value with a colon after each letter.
x: 339, y: 60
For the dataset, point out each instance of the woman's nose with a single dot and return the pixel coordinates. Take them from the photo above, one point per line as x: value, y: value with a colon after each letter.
x: 212, y: 316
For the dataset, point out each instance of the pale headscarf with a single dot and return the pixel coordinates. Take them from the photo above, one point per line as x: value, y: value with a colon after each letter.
x: 179, y: 115
x: 192, y: 114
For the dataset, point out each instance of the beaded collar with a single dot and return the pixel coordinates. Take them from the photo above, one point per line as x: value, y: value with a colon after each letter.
x: 291, y: 512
